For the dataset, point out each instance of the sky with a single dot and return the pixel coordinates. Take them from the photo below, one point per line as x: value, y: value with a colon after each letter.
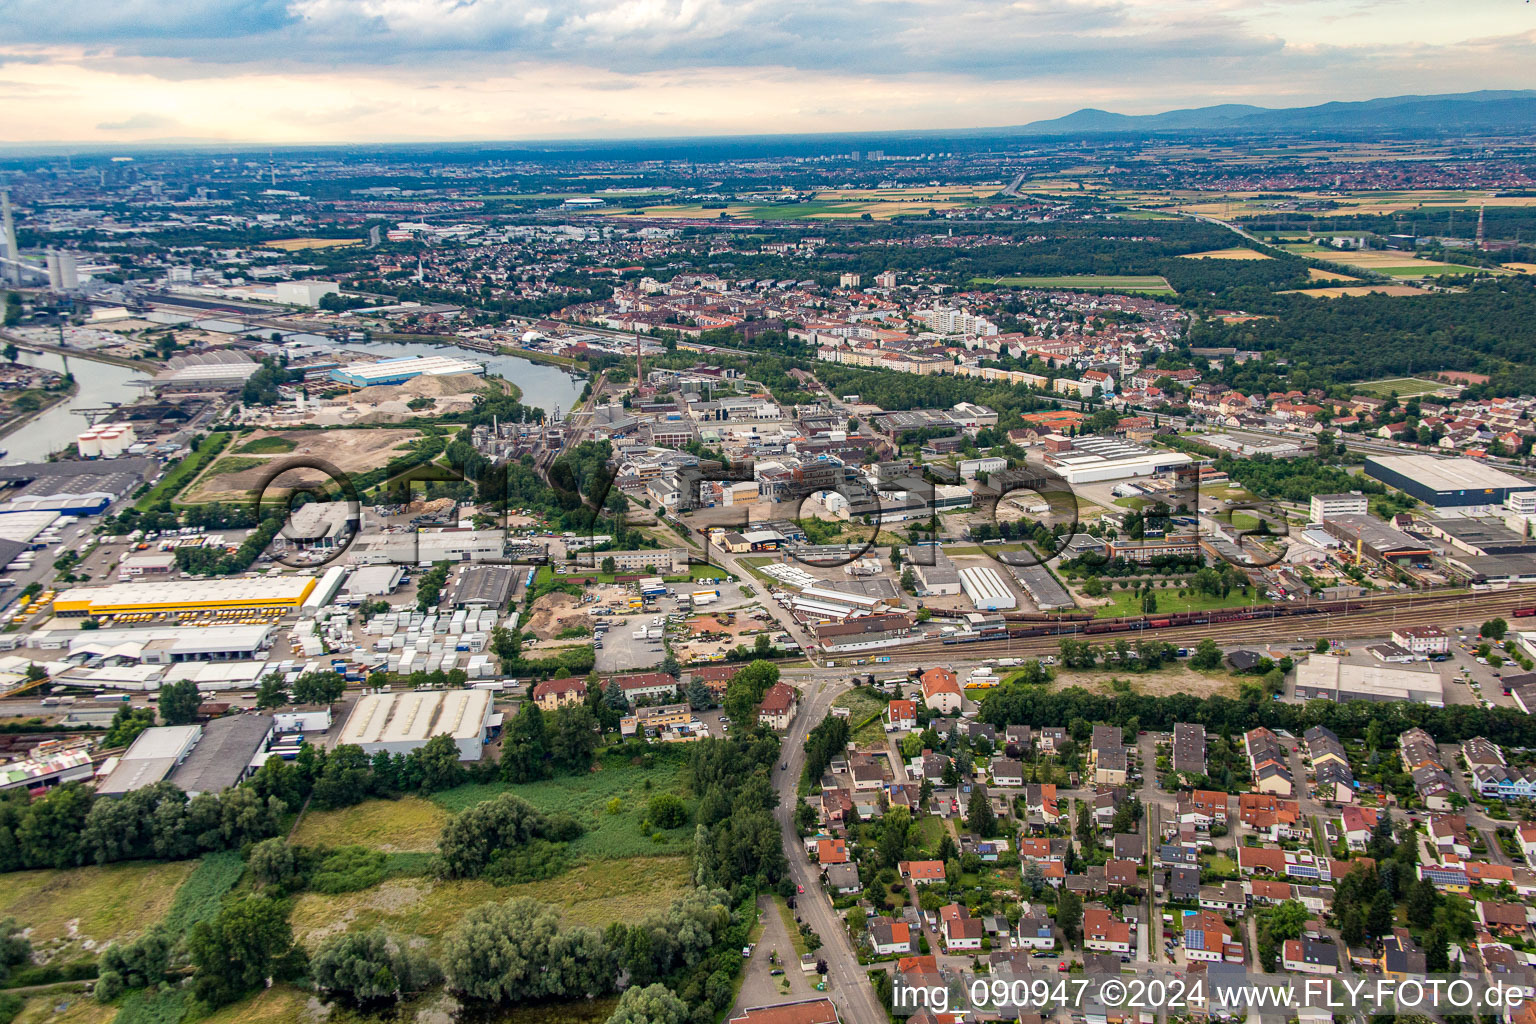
x: 337, y: 71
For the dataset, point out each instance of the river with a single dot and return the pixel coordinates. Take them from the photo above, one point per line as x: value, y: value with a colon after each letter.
x: 99, y: 385
x: 103, y: 384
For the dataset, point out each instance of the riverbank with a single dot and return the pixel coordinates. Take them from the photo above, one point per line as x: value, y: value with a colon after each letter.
x: 58, y: 398
x: 141, y: 365
x: 548, y: 358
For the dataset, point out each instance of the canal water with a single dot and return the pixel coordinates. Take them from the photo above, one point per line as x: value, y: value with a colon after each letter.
x: 103, y: 384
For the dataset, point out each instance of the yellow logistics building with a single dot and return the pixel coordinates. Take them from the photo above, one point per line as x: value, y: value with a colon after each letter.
x: 179, y: 597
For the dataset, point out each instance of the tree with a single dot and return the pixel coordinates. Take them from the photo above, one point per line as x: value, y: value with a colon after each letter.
x: 516, y: 952
x: 1423, y: 899
x: 1207, y: 656
x: 667, y: 810
x: 318, y: 688
x: 979, y: 817
x: 15, y: 949
x: 179, y: 702
x: 613, y: 696
x: 140, y: 964
x: 894, y: 827
x: 271, y: 693
x: 1069, y: 915
x: 526, y: 746
x: 1437, y: 959
x: 653, y: 1004
x: 273, y: 862
x: 369, y: 966
x: 573, y: 737
x: 608, y: 566
x: 745, y: 692
x: 239, y: 949
x: 1321, y: 647
x: 699, y: 695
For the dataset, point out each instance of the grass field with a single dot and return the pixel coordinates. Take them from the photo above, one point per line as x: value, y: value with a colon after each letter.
x: 407, y: 825
x: 586, y: 798
x: 1152, y: 283
x: 272, y: 444
x: 182, y: 473
x: 201, y: 895
x: 65, y: 1008
x: 95, y: 903
x: 1125, y: 602
x: 596, y: 893
x: 862, y: 705
x: 1403, y: 387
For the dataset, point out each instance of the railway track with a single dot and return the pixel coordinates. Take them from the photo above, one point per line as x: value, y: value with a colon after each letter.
x: 1354, y: 625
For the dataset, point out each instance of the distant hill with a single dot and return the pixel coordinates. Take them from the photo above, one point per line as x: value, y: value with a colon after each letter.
x: 1489, y: 109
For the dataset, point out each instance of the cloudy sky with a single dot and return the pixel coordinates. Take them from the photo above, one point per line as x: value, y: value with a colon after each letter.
x: 402, y: 70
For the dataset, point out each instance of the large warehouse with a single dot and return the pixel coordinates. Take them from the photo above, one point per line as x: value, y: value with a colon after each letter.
x: 1091, y: 459
x: 987, y: 590
x: 398, y: 371
x: 1446, y: 483
x: 1328, y: 677
x: 401, y: 722
x: 183, y: 596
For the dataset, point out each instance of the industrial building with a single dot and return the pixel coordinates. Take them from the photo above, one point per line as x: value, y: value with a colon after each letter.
x: 1042, y: 587
x: 305, y: 293
x: 449, y: 544
x: 180, y: 597
x: 936, y: 574
x: 986, y: 589
x: 71, y: 488
x: 398, y: 371
x: 1376, y: 540
x: 1481, y: 537
x: 151, y: 757
x: 1327, y: 506
x: 170, y: 645
x: 401, y: 722
x: 370, y: 581
x: 321, y: 525
x: 1329, y: 677
x: 105, y: 441
x: 484, y: 586
x: 219, y: 370
x: 1092, y: 459
x: 228, y: 750
x: 1447, y: 483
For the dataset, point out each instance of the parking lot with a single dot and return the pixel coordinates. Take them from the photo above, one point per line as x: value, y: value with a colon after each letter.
x: 620, y: 650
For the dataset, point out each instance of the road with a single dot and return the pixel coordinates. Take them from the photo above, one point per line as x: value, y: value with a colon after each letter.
x: 847, y: 985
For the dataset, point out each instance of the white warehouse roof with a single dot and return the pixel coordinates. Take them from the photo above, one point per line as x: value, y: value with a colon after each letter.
x: 415, y: 717
x: 986, y: 589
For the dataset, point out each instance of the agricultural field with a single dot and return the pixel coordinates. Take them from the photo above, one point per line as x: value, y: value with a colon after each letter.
x: 609, y: 802
x: 94, y: 903
x: 235, y: 476
x: 1150, y: 283
x: 1365, y: 289
x: 1236, y: 252
x: 301, y: 244
x: 1521, y: 268
x: 595, y: 894
x: 410, y: 824
x: 1318, y: 274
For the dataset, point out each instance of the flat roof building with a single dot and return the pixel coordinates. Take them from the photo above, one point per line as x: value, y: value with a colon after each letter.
x: 1446, y: 483
x: 1329, y: 677
x: 184, y: 596
x: 150, y: 758
x: 1093, y: 458
x: 226, y: 753
x: 401, y: 722
x: 398, y: 371
x: 1376, y: 540
x: 986, y: 589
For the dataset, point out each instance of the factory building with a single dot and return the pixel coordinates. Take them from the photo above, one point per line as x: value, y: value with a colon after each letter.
x: 321, y: 526
x: 1328, y: 677
x: 1483, y: 538
x: 1465, y: 484
x: 1042, y: 587
x: 1376, y: 540
x: 181, y: 597
x: 1326, y: 506
x: 986, y: 589
x: 401, y: 722
x: 398, y: 371
x: 151, y: 757
x: 1092, y: 459
x: 229, y: 750
x: 71, y: 488
x: 449, y: 544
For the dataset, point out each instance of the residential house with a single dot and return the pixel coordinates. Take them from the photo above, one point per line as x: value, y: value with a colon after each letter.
x: 1268, y: 763
x: 1189, y: 748
x: 843, y: 878
x: 901, y: 716
x: 778, y: 706
x: 1104, y: 933
x: 960, y: 931
x: 1207, y: 937
x: 922, y: 872
x: 890, y: 938
x: 1006, y: 772
x: 941, y: 691
x: 1310, y: 956
x: 831, y: 851
x: 553, y: 694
